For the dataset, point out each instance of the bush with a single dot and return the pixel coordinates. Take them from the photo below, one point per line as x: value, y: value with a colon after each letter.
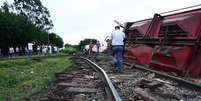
x: 57, y: 54
x: 70, y: 50
x: 11, y: 63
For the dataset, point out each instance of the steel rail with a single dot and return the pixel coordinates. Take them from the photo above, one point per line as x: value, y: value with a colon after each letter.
x: 110, y: 90
x: 180, y: 81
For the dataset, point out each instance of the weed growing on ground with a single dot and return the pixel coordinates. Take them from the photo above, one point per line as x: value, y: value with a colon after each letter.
x: 19, y: 79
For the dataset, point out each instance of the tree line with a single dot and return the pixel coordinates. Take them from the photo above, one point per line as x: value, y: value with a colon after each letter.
x: 26, y: 21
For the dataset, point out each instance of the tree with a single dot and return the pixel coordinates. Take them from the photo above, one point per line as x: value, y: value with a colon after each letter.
x: 35, y: 12
x: 5, y: 7
x: 56, y: 40
x: 15, y: 31
x: 18, y: 29
x: 67, y: 45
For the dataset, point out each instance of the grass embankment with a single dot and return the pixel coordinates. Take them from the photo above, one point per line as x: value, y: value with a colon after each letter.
x: 20, y: 79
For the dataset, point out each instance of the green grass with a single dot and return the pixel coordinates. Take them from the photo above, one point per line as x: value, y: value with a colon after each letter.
x: 57, y: 54
x: 22, y: 78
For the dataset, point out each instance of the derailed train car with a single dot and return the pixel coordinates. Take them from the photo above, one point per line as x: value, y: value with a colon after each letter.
x: 168, y: 43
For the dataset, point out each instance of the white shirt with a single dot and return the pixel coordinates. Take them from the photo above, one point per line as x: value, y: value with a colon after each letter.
x: 11, y: 50
x: 38, y: 48
x: 30, y: 46
x: 55, y: 49
x: 44, y: 49
x: 17, y: 49
x: 50, y: 49
x: 117, y: 37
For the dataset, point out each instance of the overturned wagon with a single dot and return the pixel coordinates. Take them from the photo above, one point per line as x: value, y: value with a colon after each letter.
x: 169, y: 43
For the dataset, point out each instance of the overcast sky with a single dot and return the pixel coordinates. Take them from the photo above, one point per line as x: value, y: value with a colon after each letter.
x: 75, y: 20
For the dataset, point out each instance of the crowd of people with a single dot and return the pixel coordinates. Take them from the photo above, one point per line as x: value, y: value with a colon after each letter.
x: 115, y: 43
x: 41, y: 50
x: 91, y: 48
x: 29, y: 50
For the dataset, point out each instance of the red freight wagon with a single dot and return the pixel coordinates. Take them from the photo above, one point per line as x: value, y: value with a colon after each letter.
x: 169, y: 43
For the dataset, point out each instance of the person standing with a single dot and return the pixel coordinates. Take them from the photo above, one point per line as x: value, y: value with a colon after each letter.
x: 38, y: 50
x: 17, y: 51
x: 44, y: 50
x: 21, y: 51
x: 90, y: 47
x: 98, y: 46
x: 50, y: 49
x: 26, y: 51
x: 30, y: 49
x: 55, y: 49
x: 11, y: 52
x: 117, y: 42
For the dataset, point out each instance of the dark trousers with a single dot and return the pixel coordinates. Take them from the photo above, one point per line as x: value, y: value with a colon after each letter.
x: 118, y: 57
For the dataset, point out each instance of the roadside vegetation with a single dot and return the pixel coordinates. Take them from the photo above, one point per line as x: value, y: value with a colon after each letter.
x: 23, y: 22
x: 22, y: 78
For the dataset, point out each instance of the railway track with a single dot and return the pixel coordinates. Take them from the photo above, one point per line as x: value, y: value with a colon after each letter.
x: 85, y: 81
x: 137, y: 83
x: 96, y: 80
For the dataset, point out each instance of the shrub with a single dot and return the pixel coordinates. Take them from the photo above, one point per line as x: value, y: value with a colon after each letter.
x: 69, y: 50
